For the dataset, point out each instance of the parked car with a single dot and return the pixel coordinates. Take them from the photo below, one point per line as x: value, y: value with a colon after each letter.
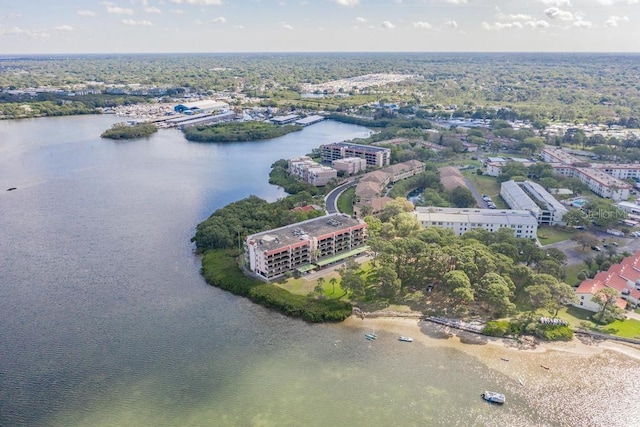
x: 596, y: 248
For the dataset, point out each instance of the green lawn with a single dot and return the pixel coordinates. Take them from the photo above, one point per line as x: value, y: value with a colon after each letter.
x: 548, y: 235
x: 628, y: 328
x: 484, y: 184
x: 345, y: 201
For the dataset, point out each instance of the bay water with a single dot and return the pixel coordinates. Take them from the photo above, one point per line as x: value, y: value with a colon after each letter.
x: 105, y: 319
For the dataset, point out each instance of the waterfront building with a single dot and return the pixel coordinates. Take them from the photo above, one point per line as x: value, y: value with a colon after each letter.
x: 309, y: 171
x: 374, y: 156
x: 207, y: 105
x: 304, y: 246
x: 283, y: 120
x: 211, y: 119
x: 531, y: 196
x: 522, y: 222
x: 309, y: 120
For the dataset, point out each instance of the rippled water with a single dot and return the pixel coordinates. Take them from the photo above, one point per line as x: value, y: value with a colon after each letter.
x: 105, y: 319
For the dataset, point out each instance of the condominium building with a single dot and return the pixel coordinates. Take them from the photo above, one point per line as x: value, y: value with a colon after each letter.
x: 522, y: 222
x: 304, y: 246
x: 374, y: 156
x: 351, y: 165
x: 310, y: 171
x: 532, y: 197
x: 603, y: 179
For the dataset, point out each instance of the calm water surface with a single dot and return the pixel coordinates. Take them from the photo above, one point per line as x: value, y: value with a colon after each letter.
x: 106, y: 321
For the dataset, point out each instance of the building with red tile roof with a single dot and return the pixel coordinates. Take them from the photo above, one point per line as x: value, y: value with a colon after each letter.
x: 623, y: 277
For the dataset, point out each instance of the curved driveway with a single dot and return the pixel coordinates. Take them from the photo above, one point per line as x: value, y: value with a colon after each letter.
x: 331, y: 199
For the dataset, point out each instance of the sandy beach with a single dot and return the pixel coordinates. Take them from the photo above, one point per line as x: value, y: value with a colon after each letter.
x: 487, y: 349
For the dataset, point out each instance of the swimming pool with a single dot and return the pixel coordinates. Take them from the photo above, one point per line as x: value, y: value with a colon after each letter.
x: 579, y: 202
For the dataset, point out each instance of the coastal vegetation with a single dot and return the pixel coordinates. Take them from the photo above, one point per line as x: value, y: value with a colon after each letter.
x: 220, y: 269
x: 125, y: 131
x: 237, y: 131
x: 280, y: 176
x: 227, y: 226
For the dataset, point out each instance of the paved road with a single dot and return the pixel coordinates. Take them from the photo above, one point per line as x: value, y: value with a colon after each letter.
x: 481, y: 203
x: 331, y: 200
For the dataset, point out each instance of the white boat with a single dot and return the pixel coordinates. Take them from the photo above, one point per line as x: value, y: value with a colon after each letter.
x: 406, y: 339
x: 370, y: 336
x: 493, y: 397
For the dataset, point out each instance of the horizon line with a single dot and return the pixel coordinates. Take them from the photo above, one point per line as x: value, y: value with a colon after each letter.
x: 327, y: 52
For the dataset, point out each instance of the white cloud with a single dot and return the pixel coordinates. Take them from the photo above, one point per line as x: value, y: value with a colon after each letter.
x: 457, y: 1
x: 287, y: 27
x: 500, y: 26
x: 115, y: 10
x: 86, y: 13
x: 360, y: 19
x: 388, y: 25
x: 555, y: 13
x: 346, y: 2
x: 177, y: 11
x: 613, y: 21
x: 152, y: 10
x: 219, y: 20
x: 17, y: 31
x: 64, y: 28
x: 451, y: 23
x: 142, y: 23
x: 556, y: 3
x: 239, y: 27
x: 582, y: 24
x: 514, y: 17
x: 197, y: 2
x: 537, y: 24
x: 421, y: 24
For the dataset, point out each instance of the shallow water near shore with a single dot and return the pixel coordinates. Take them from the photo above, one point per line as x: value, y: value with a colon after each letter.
x: 106, y: 321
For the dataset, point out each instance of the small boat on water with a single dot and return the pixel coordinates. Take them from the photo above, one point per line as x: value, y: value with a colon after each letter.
x: 406, y: 339
x: 370, y: 336
x: 493, y: 397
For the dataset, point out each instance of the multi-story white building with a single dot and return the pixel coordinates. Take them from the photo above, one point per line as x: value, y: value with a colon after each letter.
x: 531, y: 196
x: 375, y: 156
x: 351, y: 165
x: 305, y: 245
x: 620, y: 171
x: 603, y: 179
x: 558, y: 155
x: 602, y: 184
x: 523, y: 223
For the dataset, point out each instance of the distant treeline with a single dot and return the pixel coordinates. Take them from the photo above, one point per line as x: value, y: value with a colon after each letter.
x: 124, y: 131
x: 237, y: 132
x: 382, y: 122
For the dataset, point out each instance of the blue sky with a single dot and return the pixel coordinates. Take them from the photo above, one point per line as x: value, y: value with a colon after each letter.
x: 124, y: 26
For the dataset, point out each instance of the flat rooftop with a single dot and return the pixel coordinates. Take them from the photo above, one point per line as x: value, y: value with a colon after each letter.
x: 360, y: 147
x: 481, y: 216
x: 295, y: 233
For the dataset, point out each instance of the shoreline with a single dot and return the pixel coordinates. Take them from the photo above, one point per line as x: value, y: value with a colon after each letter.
x: 484, y: 347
